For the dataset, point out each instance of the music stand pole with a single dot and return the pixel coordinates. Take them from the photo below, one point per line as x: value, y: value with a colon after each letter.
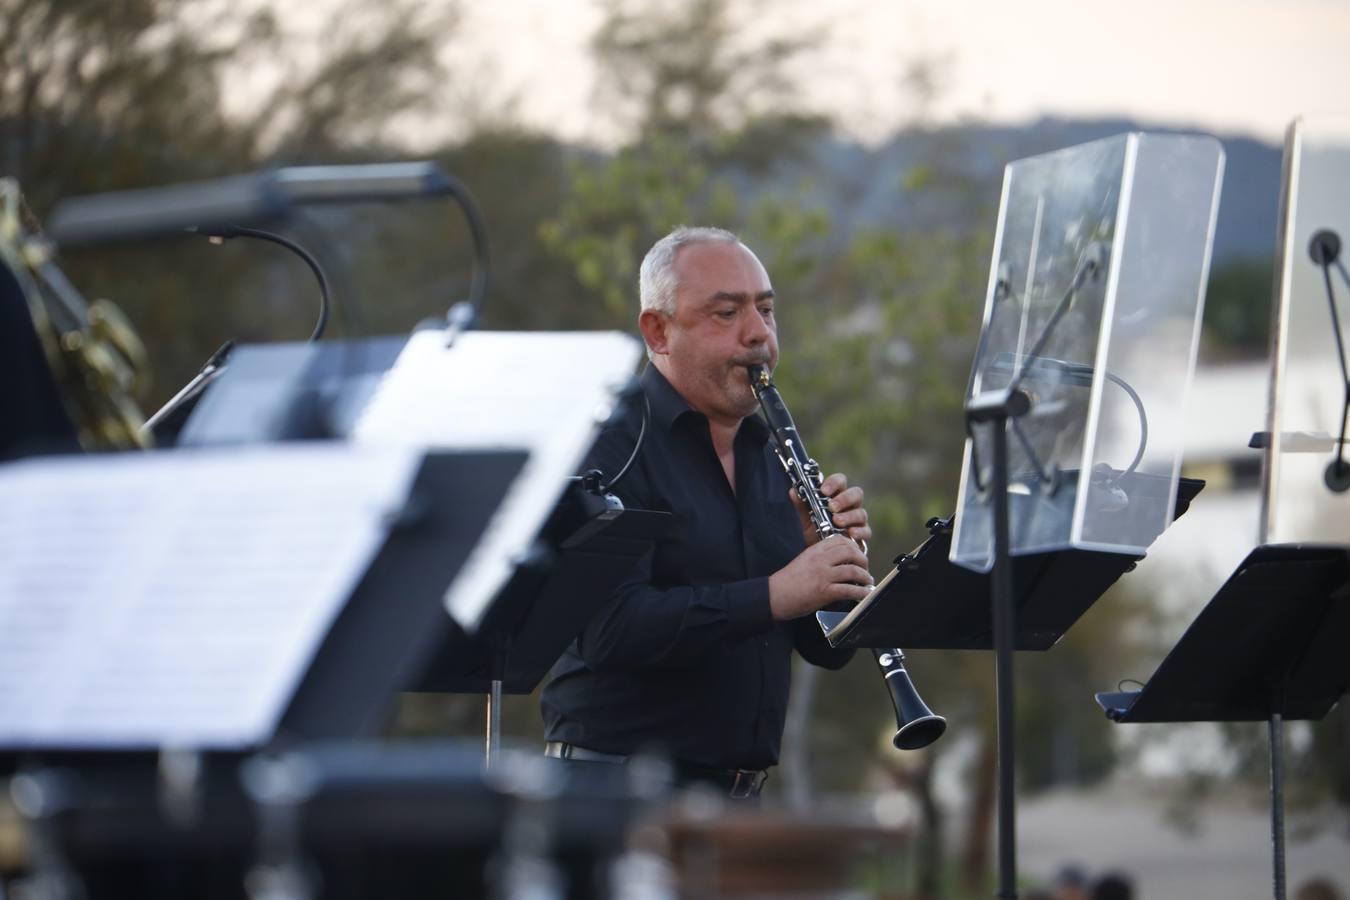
x: 1277, y: 800
x: 996, y: 410
x: 492, y: 747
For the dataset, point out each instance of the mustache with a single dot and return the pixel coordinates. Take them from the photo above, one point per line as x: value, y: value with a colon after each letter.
x: 759, y: 359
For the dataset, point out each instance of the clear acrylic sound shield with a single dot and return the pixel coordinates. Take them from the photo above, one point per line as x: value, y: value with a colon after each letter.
x: 1308, y: 389
x: 1093, y: 306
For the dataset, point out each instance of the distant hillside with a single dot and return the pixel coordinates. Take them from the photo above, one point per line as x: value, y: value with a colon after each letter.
x: 1248, y: 205
x: 861, y: 185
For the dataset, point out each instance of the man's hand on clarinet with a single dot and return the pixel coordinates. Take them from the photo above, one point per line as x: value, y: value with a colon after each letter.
x: 846, y: 510
x: 826, y: 572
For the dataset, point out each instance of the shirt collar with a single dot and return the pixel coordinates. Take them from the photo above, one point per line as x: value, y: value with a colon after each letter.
x: 668, y: 406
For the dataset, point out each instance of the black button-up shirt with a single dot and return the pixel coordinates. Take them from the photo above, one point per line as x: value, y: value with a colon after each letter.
x: 686, y: 658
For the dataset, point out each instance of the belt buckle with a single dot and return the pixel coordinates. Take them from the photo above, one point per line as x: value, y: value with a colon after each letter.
x: 746, y: 783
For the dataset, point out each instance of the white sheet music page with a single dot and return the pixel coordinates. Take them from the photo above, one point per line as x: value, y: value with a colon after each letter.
x: 177, y: 598
x: 544, y: 392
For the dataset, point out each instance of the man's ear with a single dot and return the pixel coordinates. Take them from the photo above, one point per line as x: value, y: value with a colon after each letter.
x: 654, y: 325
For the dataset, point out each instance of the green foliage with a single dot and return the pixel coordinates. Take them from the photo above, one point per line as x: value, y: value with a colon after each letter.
x: 1237, y: 307
x: 620, y: 206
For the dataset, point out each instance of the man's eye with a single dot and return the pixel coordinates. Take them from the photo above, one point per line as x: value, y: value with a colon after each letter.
x: 726, y: 313
x: 766, y: 311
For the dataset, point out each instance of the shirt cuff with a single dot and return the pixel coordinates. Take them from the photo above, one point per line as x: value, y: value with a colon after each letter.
x: 748, y: 610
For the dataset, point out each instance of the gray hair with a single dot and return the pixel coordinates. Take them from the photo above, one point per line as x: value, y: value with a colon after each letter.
x: 656, y: 279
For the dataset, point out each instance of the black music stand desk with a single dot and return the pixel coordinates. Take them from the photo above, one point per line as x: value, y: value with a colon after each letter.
x: 929, y: 603
x: 1270, y: 646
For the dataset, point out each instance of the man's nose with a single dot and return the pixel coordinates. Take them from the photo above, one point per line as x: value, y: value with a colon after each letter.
x: 756, y: 330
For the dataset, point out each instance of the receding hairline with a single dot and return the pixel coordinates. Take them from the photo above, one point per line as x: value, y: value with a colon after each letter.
x: 658, y: 281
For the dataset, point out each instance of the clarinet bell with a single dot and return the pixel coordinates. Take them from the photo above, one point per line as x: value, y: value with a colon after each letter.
x: 919, y: 726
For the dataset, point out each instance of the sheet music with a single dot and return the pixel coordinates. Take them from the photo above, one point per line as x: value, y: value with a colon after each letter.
x: 176, y: 598
x: 544, y: 392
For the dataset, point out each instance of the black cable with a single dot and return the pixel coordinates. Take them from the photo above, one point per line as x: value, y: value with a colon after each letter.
x: 1340, y: 349
x: 478, y: 231
x: 642, y: 433
x: 346, y: 310
x: 1090, y: 266
x: 324, y: 294
x: 1042, y: 472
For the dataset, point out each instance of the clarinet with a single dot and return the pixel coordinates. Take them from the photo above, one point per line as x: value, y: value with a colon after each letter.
x: 916, y: 725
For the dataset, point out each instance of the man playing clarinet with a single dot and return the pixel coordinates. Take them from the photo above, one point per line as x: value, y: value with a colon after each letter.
x: 691, y: 657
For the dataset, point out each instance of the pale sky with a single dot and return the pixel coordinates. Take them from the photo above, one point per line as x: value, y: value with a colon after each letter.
x: 1235, y: 66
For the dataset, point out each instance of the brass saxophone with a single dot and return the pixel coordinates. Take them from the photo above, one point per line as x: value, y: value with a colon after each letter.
x: 96, y: 356
x: 916, y: 725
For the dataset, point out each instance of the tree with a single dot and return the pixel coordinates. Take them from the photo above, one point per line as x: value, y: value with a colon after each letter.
x: 100, y: 96
x: 1237, y: 307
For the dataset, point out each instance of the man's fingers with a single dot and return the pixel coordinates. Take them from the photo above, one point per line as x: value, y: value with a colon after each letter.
x: 850, y: 498
x: 854, y: 575
x: 841, y: 550
x: 850, y: 518
x: 834, y: 484
x: 860, y: 533
x: 844, y: 591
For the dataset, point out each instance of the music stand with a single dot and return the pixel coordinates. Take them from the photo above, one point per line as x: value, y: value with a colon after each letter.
x: 927, y: 602
x: 283, y: 391
x: 1306, y: 479
x: 225, y: 601
x: 553, y: 555
x: 1269, y: 646
x: 542, y: 567
x: 1088, y: 344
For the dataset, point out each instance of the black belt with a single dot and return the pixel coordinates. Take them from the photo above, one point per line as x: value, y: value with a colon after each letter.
x: 740, y: 784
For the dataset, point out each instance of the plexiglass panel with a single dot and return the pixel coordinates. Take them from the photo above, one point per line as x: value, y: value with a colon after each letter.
x: 1308, y: 394
x: 1093, y: 307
